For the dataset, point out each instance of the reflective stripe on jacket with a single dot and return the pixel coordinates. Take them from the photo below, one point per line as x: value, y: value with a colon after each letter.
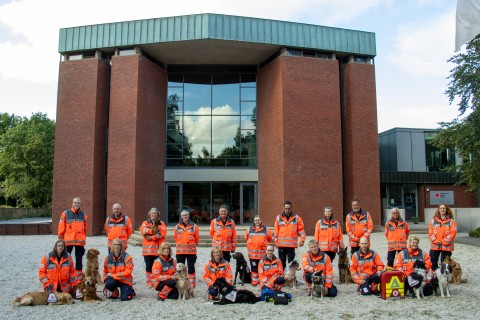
x: 163, y: 269
x: 213, y: 271
x: 442, y: 230
x: 328, y: 233
x: 288, y: 230
x: 186, y: 237
x: 396, y: 234
x: 319, y: 262
x: 72, y: 227
x: 269, y: 271
x: 118, y: 228
x: 224, y: 236
x: 407, y: 257
x: 120, y: 267
x: 157, y: 234
x: 257, y: 241
x: 54, y: 272
x: 363, y: 265
x: 358, y: 227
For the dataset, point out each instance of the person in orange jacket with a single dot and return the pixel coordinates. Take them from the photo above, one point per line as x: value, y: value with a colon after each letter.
x: 119, y: 226
x: 258, y: 237
x: 72, y: 229
x: 56, y: 271
x: 153, y: 232
x: 358, y: 224
x: 164, y: 274
x: 314, y: 260
x: 442, y: 233
x: 270, y: 271
x: 406, y: 259
x: 187, y: 236
x: 117, y: 273
x: 224, y: 233
x: 288, y: 228
x: 366, y: 268
x: 328, y: 233
x: 216, y: 268
x: 396, y: 232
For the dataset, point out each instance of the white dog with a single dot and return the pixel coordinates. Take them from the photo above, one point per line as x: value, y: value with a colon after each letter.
x: 444, y: 276
x: 417, y: 278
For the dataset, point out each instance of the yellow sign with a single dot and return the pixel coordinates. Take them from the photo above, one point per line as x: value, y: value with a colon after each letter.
x: 394, y: 288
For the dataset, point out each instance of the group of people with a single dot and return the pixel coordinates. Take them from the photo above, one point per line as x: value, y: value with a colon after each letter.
x: 58, y: 271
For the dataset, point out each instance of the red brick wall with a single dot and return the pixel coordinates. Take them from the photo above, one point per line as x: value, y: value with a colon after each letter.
x: 80, y: 140
x: 362, y: 175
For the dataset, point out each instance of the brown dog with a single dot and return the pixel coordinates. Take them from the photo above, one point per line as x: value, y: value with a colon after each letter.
x: 456, y: 270
x: 40, y: 298
x: 185, y: 289
x: 88, y: 287
x: 344, y: 275
x: 91, y: 269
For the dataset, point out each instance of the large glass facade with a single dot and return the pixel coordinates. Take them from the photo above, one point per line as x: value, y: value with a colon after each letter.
x: 211, y: 118
x: 437, y: 160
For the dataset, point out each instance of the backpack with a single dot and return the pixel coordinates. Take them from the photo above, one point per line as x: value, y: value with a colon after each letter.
x: 280, y: 297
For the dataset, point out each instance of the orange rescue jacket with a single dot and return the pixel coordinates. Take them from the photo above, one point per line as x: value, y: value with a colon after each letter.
x: 269, y: 271
x: 442, y: 230
x: 55, y: 272
x: 288, y: 230
x: 328, y: 233
x: 72, y: 228
x: 320, y: 262
x: 118, y: 228
x: 363, y: 265
x: 223, y: 235
x: 396, y: 234
x: 214, y: 270
x: 157, y: 237
x: 186, y: 238
x: 407, y: 257
x: 163, y: 269
x: 120, y: 267
x: 358, y: 227
x: 257, y: 241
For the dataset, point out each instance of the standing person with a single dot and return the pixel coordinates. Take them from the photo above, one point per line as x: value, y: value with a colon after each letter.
x: 328, y: 233
x: 258, y: 237
x: 396, y: 232
x: 366, y: 268
x: 314, y: 260
x: 153, y: 232
x: 288, y: 228
x: 358, y: 224
x: 117, y: 273
x: 224, y: 233
x: 187, y: 236
x: 270, y: 270
x: 72, y: 229
x: 164, y: 274
x: 216, y: 268
x: 442, y: 233
x: 119, y: 226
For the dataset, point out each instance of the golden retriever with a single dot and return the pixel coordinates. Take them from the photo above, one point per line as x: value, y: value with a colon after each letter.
x: 88, y: 288
x: 185, y: 289
x: 91, y: 268
x: 40, y: 298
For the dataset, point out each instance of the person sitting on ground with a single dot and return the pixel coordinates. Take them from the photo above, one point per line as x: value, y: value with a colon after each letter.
x: 117, y: 273
x: 164, y: 276
x: 216, y: 268
x: 314, y: 260
x: 366, y: 268
x: 270, y: 271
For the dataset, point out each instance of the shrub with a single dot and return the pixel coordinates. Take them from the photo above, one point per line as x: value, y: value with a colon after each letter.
x: 475, y: 233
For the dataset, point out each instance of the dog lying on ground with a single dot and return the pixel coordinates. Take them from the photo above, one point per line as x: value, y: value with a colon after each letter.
x: 88, y: 288
x: 344, y: 275
x: 242, y: 269
x: 444, y: 276
x: 91, y: 268
x: 229, y: 294
x: 318, y: 285
x: 185, y: 289
x: 417, y: 278
x: 41, y: 298
x: 290, y: 275
x: 456, y: 271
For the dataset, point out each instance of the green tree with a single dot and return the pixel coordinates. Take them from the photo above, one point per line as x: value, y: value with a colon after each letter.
x: 26, y: 160
x: 463, y: 133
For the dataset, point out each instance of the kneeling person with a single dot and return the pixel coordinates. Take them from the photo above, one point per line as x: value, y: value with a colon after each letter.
x: 270, y: 271
x: 163, y: 273
x: 314, y: 260
x: 216, y: 268
x: 366, y: 267
x: 117, y: 273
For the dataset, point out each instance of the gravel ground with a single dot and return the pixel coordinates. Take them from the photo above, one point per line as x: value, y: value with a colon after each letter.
x: 21, y: 255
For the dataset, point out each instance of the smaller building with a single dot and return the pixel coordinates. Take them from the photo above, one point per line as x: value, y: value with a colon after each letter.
x: 412, y: 175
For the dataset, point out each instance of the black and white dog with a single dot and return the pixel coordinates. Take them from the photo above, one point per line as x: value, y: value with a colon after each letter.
x: 444, y: 276
x: 229, y: 294
x: 242, y: 269
x: 417, y: 278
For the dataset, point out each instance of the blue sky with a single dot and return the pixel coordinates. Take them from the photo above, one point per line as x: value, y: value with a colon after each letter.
x: 414, y: 40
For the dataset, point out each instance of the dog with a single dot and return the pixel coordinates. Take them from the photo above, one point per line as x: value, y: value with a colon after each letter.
x: 41, y: 298
x: 318, y: 285
x: 91, y: 268
x: 290, y: 275
x: 418, y: 277
x: 344, y: 275
x: 444, y: 276
x: 242, y: 269
x: 88, y: 288
x: 456, y: 271
x: 185, y: 289
x: 229, y: 294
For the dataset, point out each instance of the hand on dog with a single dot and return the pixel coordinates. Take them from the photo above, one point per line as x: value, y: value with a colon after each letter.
x: 301, y: 243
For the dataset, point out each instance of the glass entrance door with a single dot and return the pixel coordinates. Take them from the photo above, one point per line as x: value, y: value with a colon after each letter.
x: 248, y: 200
x: 173, y: 207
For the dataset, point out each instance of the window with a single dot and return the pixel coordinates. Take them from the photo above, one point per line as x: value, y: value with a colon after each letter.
x: 437, y: 160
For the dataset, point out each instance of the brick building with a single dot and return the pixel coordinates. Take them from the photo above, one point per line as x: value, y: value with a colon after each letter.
x: 196, y: 111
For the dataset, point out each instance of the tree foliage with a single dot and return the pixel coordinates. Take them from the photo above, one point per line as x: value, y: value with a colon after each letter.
x: 463, y: 134
x: 26, y: 159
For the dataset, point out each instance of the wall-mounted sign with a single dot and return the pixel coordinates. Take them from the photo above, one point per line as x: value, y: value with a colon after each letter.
x: 437, y: 197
